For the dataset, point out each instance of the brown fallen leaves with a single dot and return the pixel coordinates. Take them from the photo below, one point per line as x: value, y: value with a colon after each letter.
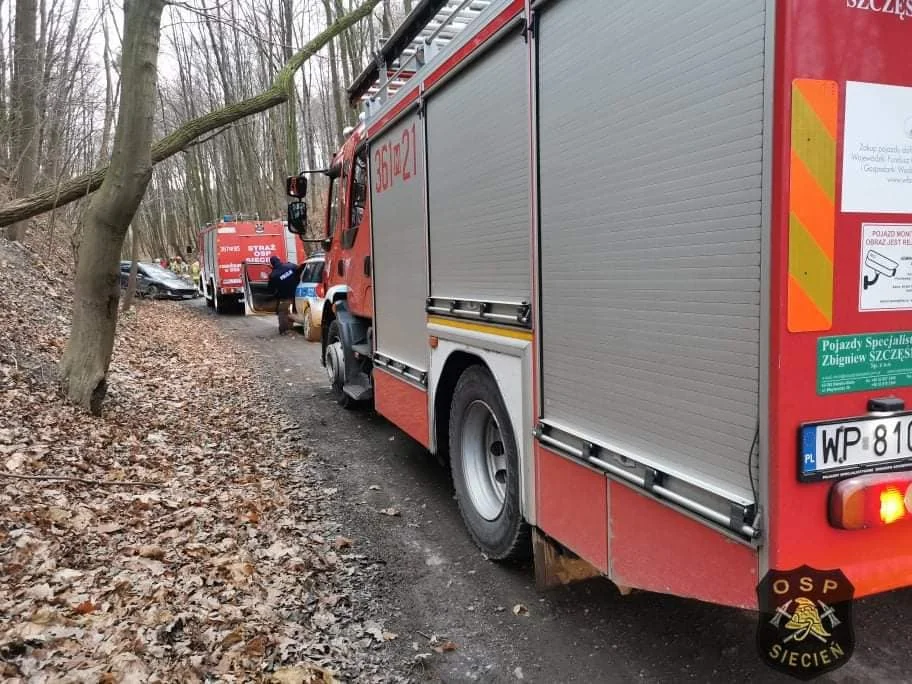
x: 225, y: 570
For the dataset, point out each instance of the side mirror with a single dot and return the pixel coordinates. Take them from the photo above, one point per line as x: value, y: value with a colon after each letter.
x: 297, y: 218
x: 296, y: 186
x: 326, y: 244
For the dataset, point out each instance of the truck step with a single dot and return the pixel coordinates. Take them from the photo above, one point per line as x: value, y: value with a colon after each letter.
x: 359, y: 392
x: 362, y: 349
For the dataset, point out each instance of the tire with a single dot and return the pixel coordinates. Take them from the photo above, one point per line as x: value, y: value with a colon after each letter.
x: 484, y: 462
x: 210, y: 299
x: 221, y: 306
x: 152, y: 292
x: 336, y: 373
x: 311, y: 332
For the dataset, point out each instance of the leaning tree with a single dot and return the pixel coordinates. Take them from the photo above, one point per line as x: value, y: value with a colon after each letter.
x: 122, y: 184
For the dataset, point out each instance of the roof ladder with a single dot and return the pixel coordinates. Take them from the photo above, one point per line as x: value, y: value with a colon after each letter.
x: 428, y: 28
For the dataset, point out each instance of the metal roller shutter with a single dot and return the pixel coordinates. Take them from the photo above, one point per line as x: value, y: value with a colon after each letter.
x: 478, y: 177
x: 651, y: 135
x: 400, y: 243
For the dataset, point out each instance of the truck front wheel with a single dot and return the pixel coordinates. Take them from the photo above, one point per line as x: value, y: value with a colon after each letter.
x: 485, y: 467
x: 334, y: 361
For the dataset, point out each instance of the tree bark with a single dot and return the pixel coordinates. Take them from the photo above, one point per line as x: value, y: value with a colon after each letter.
x: 85, y: 361
x: 178, y: 140
x: 25, y: 104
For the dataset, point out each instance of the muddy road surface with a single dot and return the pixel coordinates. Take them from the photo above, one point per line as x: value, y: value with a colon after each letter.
x: 436, y: 583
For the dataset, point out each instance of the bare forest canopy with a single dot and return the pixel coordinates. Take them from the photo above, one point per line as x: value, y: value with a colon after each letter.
x: 59, y: 96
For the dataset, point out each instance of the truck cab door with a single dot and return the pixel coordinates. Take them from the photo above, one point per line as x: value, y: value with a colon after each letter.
x: 257, y: 296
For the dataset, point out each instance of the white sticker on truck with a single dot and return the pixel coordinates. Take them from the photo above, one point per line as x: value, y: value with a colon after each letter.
x: 877, y: 153
x: 885, y: 278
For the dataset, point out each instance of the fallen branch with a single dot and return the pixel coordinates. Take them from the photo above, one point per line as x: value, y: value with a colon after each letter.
x: 277, y: 93
x: 203, y: 141
x: 84, y: 480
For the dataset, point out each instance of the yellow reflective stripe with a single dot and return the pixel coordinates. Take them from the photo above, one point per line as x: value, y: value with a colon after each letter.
x: 481, y: 328
x: 810, y: 267
x: 812, y: 142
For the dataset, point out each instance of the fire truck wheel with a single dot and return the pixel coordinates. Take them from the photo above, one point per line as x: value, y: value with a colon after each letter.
x: 221, y: 305
x: 485, y: 467
x: 335, y: 365
x: 210, y: 298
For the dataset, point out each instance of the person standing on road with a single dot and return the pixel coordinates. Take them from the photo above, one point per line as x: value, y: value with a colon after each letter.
x: 195, y: 272
x: 282, y: 285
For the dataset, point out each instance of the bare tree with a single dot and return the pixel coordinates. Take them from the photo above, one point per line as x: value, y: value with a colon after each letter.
x: 88, y: 352
x: 85, y: 361
x: 25, y: 104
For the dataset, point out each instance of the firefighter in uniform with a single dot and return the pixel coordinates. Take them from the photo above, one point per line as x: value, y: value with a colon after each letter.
x: 195, y: 272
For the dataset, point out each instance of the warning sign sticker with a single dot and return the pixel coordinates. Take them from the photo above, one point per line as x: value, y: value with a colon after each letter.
x: 885, y: 280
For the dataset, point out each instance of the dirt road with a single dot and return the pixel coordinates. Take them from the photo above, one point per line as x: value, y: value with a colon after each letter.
x: 436, y: 582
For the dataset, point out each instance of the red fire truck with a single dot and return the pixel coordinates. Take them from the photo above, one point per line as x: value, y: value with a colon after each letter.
x: 234, y: 258
x: 643, y: 273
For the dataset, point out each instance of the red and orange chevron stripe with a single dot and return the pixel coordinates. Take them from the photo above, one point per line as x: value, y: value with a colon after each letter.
x: 812, y: 205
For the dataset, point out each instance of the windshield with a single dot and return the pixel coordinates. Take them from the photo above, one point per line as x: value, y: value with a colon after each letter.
x: 156, y: 271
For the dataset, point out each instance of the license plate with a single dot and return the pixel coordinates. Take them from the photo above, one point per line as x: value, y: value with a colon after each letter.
x: 855, y: 446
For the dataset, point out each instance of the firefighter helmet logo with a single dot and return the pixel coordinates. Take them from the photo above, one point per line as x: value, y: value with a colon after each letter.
x: 805, y: 626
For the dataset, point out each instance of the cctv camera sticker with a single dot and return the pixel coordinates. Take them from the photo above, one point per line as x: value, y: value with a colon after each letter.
x: 885, y: 280
x: 877, y: 149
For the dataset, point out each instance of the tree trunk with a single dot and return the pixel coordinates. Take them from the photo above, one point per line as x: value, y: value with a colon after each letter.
x: 85, y: 362
x: 338, y: 97
x: 180, y: 139
x: 130, y: 292
x: 25, y: 105
x: 292, y: 157
x: 109, y: 94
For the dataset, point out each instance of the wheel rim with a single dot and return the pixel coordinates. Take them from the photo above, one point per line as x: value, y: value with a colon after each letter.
x: 484, y: 460
x: 335, y: 365
x: 153, y: 291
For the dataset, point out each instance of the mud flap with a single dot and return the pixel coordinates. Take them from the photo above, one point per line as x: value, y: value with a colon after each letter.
x: 555, y: 567
x: 258, y: 300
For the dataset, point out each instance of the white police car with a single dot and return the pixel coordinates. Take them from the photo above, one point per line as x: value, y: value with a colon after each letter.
x: 308, y: 301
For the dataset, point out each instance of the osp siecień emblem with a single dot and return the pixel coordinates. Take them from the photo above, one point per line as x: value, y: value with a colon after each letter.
x: 805, y: 622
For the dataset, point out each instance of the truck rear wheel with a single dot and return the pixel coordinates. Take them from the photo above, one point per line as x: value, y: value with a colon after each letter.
x: 226, y: 305
x: 485, y: 467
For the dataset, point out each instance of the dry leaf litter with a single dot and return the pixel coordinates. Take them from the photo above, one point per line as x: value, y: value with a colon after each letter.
x: 215, y: 564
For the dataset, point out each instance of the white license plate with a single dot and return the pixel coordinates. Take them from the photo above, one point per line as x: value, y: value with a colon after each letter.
x: 855, y: 446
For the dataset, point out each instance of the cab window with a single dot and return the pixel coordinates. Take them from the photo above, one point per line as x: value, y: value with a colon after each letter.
x: 335, y: 200
x: 358, y: 197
